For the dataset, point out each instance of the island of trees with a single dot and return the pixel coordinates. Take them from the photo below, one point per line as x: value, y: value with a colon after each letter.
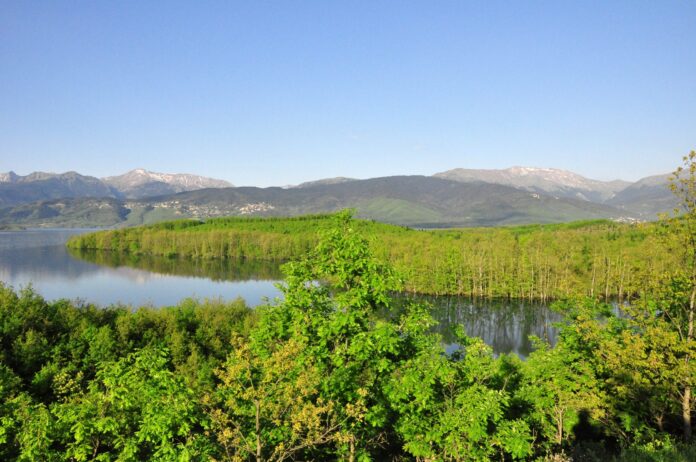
x: 542, y: 262
x: 321, y: 375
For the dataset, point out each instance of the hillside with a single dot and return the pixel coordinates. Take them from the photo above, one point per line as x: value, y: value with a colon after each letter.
x: 141, y: 183
x: 556, y: 182
x: 416, y: 201
x: 40, y: 186
x: 458, y: 197
x: 67, y: 213
x: 647, y: 197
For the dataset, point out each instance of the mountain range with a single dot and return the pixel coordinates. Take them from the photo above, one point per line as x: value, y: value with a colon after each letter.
x: 136, y: 184
x: 458, y: 197
x: 542, y: 180
x: 645, y: 198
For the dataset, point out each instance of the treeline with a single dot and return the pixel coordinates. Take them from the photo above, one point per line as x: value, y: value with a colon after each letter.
x: 265, y: 239
x: 595, y: 258
x: 322, y: 376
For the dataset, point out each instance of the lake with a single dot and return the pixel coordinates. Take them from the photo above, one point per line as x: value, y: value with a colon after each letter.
x: 40, y: 258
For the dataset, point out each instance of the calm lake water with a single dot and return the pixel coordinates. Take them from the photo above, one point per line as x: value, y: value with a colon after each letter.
x: 40, y: 258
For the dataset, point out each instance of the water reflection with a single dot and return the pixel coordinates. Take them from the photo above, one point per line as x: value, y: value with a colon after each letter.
x: 505, y: 325
x: 36, y: 255
x: 40, y: 258
x: 213, y: 269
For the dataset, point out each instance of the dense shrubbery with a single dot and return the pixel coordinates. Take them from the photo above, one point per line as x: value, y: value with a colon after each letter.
x: 321, y: 376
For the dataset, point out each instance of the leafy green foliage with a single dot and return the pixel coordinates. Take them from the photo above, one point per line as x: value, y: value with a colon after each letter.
x: 135, y: 409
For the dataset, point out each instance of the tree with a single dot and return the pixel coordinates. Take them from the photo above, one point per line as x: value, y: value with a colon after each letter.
x: 456, y: 408
x: 643, y: 360
x: 309, y: 377
x: 682, y: 310
x: 324, y: 376
x: 267, y: 405
x: 135, y: 409
x: 558, y: 386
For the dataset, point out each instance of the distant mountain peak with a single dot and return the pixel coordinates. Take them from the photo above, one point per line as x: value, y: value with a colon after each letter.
x: 527, y: 170
x: 325, y: 181
x: 554, y: 181
x: 140, y: 182
x: 9, y: 177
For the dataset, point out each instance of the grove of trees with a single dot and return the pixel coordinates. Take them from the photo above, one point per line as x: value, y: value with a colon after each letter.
x: 537, y: 262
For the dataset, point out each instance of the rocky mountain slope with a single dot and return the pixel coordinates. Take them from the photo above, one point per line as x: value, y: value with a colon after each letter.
x: 560, y: 183
x: 38, y: 186
x: 136, y: 184
x: 141, y: 183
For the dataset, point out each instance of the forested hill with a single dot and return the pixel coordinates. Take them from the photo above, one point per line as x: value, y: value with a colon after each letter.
x: 416, y: 201
x: 595, y: 258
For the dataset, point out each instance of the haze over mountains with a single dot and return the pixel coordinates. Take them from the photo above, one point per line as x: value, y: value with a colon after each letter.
x: 458, y: 197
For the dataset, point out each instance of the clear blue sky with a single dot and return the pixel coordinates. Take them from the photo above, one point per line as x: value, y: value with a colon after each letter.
x: 274, y: 93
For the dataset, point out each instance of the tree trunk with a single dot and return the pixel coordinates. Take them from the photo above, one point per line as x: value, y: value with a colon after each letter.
x: 686, y: 398
x: 594, y: 273
x: 607, y: 264
x: 351, y: 456
x: 686, y: 412
x: 559, y: 427
x: 259, y: 458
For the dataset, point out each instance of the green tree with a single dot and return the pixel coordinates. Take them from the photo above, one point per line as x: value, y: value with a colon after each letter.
x: 267, y: 406
x: 457, y: 408
x: 558, y: 385
x: 680, y: 313
x: 135, y: 409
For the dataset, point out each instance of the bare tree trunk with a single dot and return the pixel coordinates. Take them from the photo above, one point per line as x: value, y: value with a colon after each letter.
x: 686, y: 412
x: 686, y: 398
x: 559, y: 428
x: 621, y: 282
x: 607, y: 264
x: 259, y: 458
x: 594, y: 273
x: 660, y: 420
x: 351, y: 456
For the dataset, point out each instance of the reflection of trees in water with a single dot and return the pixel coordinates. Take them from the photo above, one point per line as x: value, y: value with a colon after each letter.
x: 54, y: 262
x: 215, y: 269
x: 505, y: 325
x: 40, y: 255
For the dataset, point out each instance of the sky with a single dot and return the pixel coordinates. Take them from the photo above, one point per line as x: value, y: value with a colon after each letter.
x: 280, y: 92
